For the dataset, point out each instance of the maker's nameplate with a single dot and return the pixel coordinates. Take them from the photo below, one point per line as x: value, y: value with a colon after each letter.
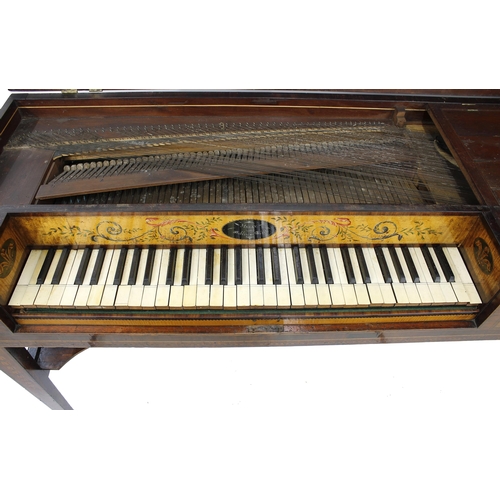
x: 249, y: 229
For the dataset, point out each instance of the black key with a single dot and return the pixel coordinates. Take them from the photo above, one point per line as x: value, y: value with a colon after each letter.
x: 209, y: 266
x: 82, y: 269
x: 431, y: 265
x: 261, y: 273
x: 297, y: 265
x: 362, y: 265
x: 397, y: 265
x: 445, y: 265
x: 311, y: 263
x: 96, y: 272
x: 119, y: 268
x: 148, y: 271
x: 411, y: 266
x: 171, y: 266
x: 346, y: 258
x: 42, y: 275
x: 186, y: 266
x: 134, y: 267
x: 325, y: 261
x: 275, y: 266
x: 224, y: 265
x: 238, y: 268
x: 56, y: 279
x: 383, y: 265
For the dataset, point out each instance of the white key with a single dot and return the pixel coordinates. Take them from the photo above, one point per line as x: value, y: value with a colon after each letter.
x: 90, y: 268
x: 29, y: 267
x: 296, y: 291
x: 216, y: 267
x: 38, y: 267
x: 45, y: 290
x: 398, y: 288
x: 425, y: 276
x: 70, y: 290
x: 444, y: 285
x: 348, y: 291
x: 283, y: 291
x: 149, y: 291
x: 310, y: 295
x: 109, y: 292
x: 202, y: 290
x: 270, y: 299
x: 43, y: 295
x: 362, y: 295
x: 322, y: 289
x: 193, y: 266
x: 32, y: 288
x: 82, y: 296
x: 216, y: 289
x: 123, y: 292
x: 422, y: 287
x: 58, y: 290
x: 137, y: 290
x: 83, y: 293
x: 462, y: 274
x: 373, y: 287
x: 219, y: 294
x: 458, y: 286
x: 203, y: 296
x: 24, y: 279
x: 386, y: 294
x: 96, y: 291
x: 243, y: 290
x: 229, y: 294
x: 336, y: 289
x: 176, y: 291
x: 162, y: 296
x: 189, y: 298
x: 256, y: 290
x: 415, y: 296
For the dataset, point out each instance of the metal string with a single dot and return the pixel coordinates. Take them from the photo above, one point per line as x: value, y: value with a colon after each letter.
x: 381, y: 151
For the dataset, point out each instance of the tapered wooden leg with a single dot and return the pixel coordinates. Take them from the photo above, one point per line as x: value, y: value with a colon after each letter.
x: 18, y: 364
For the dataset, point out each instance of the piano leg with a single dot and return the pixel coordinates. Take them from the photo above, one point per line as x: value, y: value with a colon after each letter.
x: 18, y: 364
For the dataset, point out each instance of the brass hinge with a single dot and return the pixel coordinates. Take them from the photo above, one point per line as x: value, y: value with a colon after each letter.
x: 75, y: 91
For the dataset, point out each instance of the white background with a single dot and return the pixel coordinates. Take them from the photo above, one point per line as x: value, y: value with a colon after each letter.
x: 375, y: 421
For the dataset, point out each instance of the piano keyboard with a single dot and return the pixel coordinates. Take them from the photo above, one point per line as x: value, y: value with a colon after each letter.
x: 242, y: 278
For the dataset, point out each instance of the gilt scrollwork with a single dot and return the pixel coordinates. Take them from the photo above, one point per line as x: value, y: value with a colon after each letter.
x: 283, y: 228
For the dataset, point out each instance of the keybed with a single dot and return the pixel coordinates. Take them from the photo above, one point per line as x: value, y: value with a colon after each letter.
x: 186, y: 278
